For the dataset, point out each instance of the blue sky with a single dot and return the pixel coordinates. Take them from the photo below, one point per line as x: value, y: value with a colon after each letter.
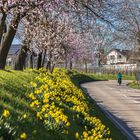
x: 16, y: 41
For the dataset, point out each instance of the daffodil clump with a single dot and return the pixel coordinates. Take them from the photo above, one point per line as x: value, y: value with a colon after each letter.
x: 9, y: 128
x: 55, y: 99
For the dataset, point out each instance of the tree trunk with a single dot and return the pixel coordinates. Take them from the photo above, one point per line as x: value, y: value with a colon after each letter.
x: 49, y: 63
x: 20, y: 60
x: 52, y: 68
x: 85, y: 66
x: 39, y: 60
x: 6, y: 43
x: 2, y: 25
x: 48, y: 67
x: 66, y: 64
x: 43, y: 59
x: 31, y: 61
x: 70, y: 65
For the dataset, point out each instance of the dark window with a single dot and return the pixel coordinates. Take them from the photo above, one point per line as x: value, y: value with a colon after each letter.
x: 112, y: 57
x: 119, y: 56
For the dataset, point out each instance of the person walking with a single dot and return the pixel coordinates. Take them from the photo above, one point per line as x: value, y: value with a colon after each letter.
x: 119, y: 77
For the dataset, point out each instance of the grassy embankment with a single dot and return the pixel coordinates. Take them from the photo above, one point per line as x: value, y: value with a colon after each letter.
x: 14, y: 90
x: 79, y: 78
x: 134, y: 84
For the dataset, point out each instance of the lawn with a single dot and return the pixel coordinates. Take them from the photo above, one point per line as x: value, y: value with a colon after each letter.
x: 14, y: 89
x: 134, y: 84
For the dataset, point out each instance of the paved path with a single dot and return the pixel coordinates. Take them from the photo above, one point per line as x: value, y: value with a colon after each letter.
x: 121, y: 103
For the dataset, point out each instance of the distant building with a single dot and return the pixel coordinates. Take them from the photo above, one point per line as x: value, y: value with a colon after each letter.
x: 117, y: 56
x: 13, y: 52
x: 120, y: 59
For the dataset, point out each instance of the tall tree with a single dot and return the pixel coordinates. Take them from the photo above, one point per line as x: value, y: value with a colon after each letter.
x: 14, y: 11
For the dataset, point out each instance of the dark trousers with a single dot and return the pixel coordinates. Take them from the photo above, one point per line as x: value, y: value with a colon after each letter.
x: 119, y: 80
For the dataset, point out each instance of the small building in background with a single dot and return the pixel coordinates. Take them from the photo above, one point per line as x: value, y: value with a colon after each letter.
x: 117, y: 56
x: 120, y: 60
x: 13, y: 52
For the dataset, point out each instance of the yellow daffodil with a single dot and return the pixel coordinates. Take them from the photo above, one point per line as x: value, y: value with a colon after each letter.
x: 23, y: 135
x: 25, y: 116
x: 6, y: 113
x: 77, y: 135
x: 85, y: 134
x: 33, y: 84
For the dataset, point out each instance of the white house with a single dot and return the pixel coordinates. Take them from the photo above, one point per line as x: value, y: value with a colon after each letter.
x: 120, y: 60
x: 116, y: 56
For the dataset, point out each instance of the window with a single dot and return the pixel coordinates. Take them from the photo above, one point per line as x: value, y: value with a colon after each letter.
x: 112, y: 57
x: 119, y: 56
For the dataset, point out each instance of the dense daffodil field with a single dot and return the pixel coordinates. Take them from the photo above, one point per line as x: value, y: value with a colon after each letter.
x: 49, y: 107
x: 54, y: 96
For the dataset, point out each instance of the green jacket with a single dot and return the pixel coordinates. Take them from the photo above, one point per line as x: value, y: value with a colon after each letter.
x: 119, y: 76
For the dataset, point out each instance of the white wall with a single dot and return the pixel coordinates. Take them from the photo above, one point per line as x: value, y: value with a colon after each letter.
x: 116, y: 58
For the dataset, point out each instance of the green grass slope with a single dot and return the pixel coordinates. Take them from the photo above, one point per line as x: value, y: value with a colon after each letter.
x: 14, y: 90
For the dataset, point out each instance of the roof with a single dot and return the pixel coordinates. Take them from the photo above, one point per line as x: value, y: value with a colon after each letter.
x: 14, y: 49
x: 123, y: 52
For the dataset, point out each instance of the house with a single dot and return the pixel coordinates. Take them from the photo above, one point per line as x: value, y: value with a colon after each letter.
x: 13, y: 52
x: 117, y: 56
x: 120, y: 60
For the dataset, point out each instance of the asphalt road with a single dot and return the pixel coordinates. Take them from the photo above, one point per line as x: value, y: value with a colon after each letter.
x: 120, y: 103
